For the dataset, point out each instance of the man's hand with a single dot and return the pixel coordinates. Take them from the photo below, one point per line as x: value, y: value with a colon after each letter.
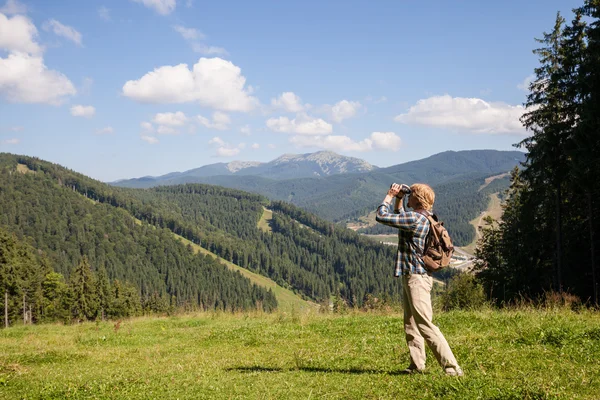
x: 394, y: 190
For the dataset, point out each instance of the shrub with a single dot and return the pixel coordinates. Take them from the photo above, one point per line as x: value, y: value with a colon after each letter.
x: 463, y: 292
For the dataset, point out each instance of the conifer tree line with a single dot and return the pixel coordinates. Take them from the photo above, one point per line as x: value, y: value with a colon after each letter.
x: 313, y: 257
x: 548, y: 236
x: 126, y: 236
x: 68, y: 257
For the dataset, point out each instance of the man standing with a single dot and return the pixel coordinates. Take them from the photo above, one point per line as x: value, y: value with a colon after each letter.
x: 417, y: 283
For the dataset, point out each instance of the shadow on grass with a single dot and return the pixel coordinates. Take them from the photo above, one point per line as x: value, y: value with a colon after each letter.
x: 354, y: 371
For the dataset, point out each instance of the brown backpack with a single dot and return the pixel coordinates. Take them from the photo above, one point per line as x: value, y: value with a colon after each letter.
x: 438, y: 245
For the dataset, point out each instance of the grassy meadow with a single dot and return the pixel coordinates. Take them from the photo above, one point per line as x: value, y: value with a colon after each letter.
x: 520, y: 354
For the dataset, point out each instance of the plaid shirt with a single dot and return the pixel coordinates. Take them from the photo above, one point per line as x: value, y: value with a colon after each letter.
x: 412, y: 231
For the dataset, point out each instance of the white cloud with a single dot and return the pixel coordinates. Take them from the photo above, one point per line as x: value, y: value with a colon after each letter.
x: 13, y: 7
x: 104, y: 13
x: 23, y: 76
x: 376, y: 141
x: 171, y: 119
x: 271, y: 146
x: 213, y: 82
x: 255, y: 146
x: 246, y: 130
x: 147, y: 126
x: 302, y: 124
x: 166, y: 130
x: 25, y: 79
x: 149, y: 139
x: 65, y: 31
x: 217, y: 140
x: 188, y: 33
x: 193, y: 36
x: 470, y: 114
x: 342, y: 110
x: 524, y: 86
x: 18, y: 34
x: 288, y: 101
x: 12, y: 141
x: 385, y: 141
x: 220, y: 121
x: 83, y: 111
x: 163, y: 7
x: 105, y: 131
x: 225, y: 149
x: 206, y: 50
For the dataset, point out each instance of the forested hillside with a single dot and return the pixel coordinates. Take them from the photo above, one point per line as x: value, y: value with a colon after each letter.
x: 125, y: 237
x: 343, y: 197
x: 45, y: 208
x: 303, y: 252
x: 548, y: 238
x: 355, y: 193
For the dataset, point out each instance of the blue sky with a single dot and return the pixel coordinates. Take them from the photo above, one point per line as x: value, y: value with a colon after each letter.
x: 126, y: 88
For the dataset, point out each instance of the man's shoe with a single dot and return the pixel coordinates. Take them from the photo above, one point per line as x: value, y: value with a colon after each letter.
x: 454, y: 371
x: 412, y: 369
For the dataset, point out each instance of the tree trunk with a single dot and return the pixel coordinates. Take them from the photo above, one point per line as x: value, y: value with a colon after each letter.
x: 24, y: 311
x: 558, y: 238
x: 592, y: 252
x: 6, y: 308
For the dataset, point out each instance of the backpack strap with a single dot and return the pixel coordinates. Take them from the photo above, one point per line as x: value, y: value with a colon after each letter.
x: 427, y: 215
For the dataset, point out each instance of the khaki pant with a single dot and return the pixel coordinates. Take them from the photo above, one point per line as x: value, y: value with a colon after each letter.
x: 418, y: 326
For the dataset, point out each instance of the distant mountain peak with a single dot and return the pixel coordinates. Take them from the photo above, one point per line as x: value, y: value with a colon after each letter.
x: 236, y: 166
x: 329, y: 162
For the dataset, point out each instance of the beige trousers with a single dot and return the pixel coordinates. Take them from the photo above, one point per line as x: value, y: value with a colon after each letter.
x: 418, y: 326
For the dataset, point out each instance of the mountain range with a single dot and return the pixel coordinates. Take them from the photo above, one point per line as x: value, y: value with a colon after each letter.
x: 287, y: 166
x: 347, y: 193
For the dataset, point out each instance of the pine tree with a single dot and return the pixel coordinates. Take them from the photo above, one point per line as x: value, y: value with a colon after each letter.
x: 85, y: 300
x: 545, y: 159
x: 104, y: 293
x: 588, y: 134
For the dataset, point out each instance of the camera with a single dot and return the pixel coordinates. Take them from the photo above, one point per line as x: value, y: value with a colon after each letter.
x: 403, y: 190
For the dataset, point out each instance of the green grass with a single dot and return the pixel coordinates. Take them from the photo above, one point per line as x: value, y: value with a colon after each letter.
x: 24, y: 169
x: 505, y: 355
x: 494, y: 210
x: 263, y: 223
x: 288, y: 300
x: 383, y: 238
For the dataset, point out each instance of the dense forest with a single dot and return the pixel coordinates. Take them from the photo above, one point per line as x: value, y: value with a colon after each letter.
x: 81, y: 230
x: 302, y: 252
x: 548, y: 237
x: 42, y: 210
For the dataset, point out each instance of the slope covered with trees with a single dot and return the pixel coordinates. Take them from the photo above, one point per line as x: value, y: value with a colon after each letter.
x: 548, y: 237
x: 49, y: 210
x: 303, y: 252
x: 117, y: 241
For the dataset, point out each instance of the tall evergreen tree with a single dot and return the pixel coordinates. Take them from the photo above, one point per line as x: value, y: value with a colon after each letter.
x: 85, y: 300
x: 545, y: 158
x: 588, y: 135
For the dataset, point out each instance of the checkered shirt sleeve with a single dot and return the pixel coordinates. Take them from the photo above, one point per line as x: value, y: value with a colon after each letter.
x: 412, y: 232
